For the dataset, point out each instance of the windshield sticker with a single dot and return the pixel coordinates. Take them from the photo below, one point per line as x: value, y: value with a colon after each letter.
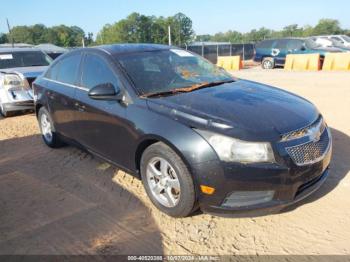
x: 6, y: 56
x: 180, y: 52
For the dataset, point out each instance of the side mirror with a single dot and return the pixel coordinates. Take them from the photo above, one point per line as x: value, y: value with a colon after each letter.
x: 105, y: 91
x: 303, y: 48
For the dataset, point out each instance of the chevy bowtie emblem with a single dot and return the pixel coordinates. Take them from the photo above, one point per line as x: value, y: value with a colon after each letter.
x: 314, y: 133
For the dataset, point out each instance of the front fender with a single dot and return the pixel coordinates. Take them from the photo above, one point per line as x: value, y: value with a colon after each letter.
x: 153, y: 126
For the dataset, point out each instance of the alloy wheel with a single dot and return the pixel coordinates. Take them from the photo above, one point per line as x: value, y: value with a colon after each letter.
x: 46, y: 128
x: 267, y: 64
x: 163, y: 182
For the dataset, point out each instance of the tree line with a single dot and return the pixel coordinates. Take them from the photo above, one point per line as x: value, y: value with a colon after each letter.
x: 62, y: 35
x: 138, y: 28
x: 323, y: 27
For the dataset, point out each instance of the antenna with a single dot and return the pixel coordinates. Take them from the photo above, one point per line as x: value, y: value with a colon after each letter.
x: 9, y: 28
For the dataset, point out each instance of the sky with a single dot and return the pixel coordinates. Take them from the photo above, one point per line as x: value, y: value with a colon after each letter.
x: 208, y: 16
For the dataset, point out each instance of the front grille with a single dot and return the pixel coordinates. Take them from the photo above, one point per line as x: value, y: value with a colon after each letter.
x: 310, y: 152
x: 318, y: 124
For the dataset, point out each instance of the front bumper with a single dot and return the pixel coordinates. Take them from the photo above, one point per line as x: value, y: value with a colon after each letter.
x: 17, y: 100
x: 289, y: 183
x: 19, y: 106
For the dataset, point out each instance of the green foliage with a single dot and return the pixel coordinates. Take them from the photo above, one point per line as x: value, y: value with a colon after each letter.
x: 59, y: 35
x: 324, y: 27
x: 3, y: 38
x: 327, y: 26
x: 137, y: 28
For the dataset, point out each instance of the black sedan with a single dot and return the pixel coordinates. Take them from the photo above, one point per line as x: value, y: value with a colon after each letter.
x: 196, y: 136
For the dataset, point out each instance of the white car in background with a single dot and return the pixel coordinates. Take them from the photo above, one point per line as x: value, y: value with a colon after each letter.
x: 19, y: 67
x: 343, y: 39
x: 324, y: 41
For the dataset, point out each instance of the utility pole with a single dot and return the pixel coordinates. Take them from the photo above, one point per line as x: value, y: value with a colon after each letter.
x: 83, y: 42
x: 9, y: 28
x: 169, y: 34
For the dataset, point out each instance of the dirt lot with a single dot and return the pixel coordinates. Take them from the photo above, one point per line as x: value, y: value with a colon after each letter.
x: 68, y: 202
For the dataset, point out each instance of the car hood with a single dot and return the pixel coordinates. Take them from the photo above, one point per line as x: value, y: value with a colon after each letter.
x: 27, y: 72
x: 244, y: 109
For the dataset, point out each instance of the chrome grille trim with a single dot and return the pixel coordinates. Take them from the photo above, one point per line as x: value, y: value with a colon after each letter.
x: 311, y: 152
x: 301, y: 132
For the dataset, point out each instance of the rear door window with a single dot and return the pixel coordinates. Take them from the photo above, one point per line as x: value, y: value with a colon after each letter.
x: 294, y: 44
x: 68, y: 69
x: 281, y: 44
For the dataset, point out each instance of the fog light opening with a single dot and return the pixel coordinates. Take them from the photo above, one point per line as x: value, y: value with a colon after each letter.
x: 247, y: 198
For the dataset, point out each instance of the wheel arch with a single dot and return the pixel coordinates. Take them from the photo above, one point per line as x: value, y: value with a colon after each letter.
x: 152, y: 139
x: 37, y: 108
x: 149, y: 140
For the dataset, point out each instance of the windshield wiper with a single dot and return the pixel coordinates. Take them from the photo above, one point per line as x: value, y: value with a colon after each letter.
x: 163, y: 93
x: 188, y: 88
x: 203, y: 85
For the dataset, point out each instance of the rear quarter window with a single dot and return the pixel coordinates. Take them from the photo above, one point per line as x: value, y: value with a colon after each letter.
x: 52, y: 72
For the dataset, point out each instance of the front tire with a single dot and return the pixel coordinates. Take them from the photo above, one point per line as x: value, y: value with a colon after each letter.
x: 167, y: 181
x: 47, y: 129
x: 268, y: 63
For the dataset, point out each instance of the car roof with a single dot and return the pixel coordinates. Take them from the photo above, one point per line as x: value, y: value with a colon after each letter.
x: 286, y: 38
x: 132, y: 48
x: 18, y: 49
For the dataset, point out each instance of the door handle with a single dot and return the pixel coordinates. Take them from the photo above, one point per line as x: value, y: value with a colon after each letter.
x: 81, y: 108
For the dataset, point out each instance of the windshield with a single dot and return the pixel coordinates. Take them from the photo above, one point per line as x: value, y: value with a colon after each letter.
x: 311, y: 44
x: 167, y: 70
x: 346, y: 38
x: 23, y: 59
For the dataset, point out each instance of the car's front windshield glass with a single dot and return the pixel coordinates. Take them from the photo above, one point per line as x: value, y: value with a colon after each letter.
x: 346, y: 38
x: 311, y: 44
x: 23, y: 59
x: 168, y: 70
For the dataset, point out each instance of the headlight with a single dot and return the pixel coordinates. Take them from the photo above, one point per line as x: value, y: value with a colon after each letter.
x: 13, y: 82
x: 234, y: 150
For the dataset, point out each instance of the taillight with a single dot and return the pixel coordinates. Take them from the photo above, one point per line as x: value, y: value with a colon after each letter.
x: 13, y: 82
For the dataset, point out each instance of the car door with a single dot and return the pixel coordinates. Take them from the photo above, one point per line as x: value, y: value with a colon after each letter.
x: 102, y: 124
x: 296, y: 46
x: 62, y: 79
x: 280, y: 51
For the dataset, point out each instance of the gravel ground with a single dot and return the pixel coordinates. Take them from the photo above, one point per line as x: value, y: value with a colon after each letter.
x: 68, y: 202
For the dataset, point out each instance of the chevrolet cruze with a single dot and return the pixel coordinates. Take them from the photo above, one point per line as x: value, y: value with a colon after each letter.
x: 196, y: 136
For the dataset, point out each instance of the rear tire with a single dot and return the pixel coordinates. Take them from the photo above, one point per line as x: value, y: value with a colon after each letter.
x: 268, y: 63
x: 47, y: 129
x: 167, y: 181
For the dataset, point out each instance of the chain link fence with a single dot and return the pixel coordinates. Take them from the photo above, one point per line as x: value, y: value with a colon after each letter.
x: 211, y: 50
